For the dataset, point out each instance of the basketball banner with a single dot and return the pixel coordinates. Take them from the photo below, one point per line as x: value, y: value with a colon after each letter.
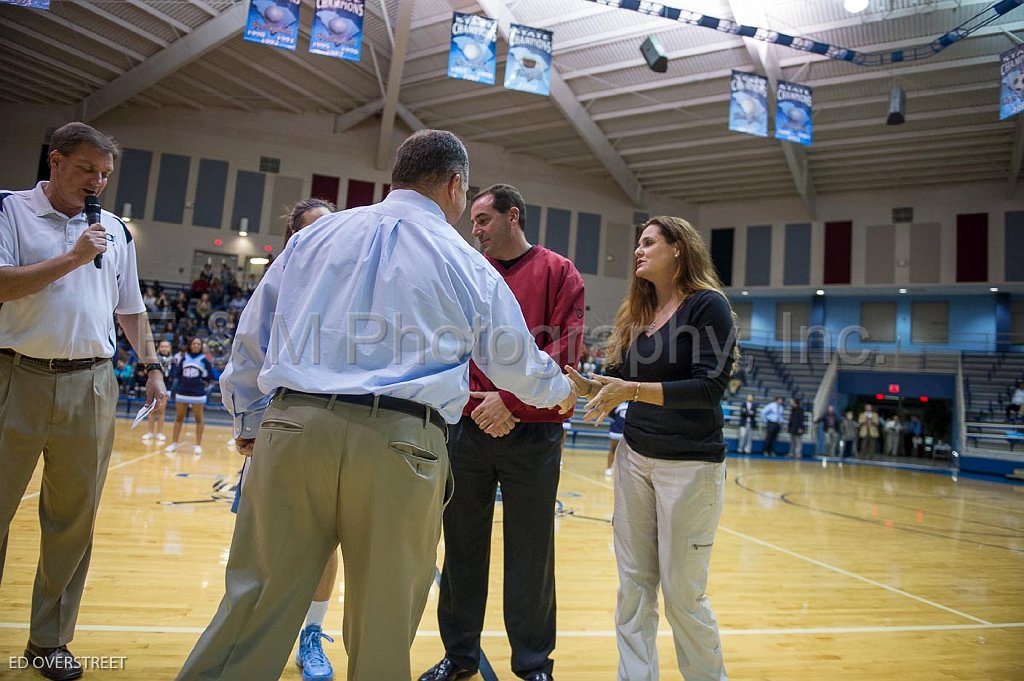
x: 793, y: 112
x: 34, y: 4
x: 528, y: 67
x: 1011, y: 72
x: 274, y: 23
x: 748, y: 104
x: 337, y: 29
x: 473, y: 52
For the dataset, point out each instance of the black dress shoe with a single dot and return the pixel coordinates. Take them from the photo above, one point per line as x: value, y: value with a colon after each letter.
x: 446, y: 670
x: 539, y: 676
x: 57, y: 663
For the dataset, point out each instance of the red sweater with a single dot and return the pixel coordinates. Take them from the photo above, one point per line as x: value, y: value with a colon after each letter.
x: 550, y: 293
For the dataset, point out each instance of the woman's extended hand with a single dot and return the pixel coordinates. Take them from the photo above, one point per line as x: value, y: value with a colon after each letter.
x: 610, y: 392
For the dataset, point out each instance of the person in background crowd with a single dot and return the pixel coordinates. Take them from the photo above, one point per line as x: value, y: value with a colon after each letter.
x: 796, y: 429
x: 829, y: 422
x: 870, y: 425
x: 848, y: 430
x: 894, y: 436
x: 748, y: 424
x: 772, y: 415
x: 1013, y: 409
x: 155, y: 420
x: 124, y: 373
x: 913, y: 436
x: 149, y: 300
x: 192, y: 375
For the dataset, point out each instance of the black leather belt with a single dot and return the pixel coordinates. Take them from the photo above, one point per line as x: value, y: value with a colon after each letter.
x: 382, y: 401
x: 56, y: 366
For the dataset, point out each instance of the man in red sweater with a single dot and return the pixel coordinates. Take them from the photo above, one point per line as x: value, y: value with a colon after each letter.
x: 502, y: 441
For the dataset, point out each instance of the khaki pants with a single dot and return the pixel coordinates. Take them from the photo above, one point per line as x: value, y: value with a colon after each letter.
x: 666, y: 514
x: 324, y: 474
x: 68, y: 417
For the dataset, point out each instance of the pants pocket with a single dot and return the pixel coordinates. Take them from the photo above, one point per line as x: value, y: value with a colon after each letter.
x: 281, y: 425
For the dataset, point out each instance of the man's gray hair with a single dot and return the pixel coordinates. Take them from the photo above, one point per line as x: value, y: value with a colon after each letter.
x: 69, y: 136
x: 429, y: 158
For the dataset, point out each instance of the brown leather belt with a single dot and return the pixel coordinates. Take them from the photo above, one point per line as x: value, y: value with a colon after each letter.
x: 382, y: 401
x: 56, y: 366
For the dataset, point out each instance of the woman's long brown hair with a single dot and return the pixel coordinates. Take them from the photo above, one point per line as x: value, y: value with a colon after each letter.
x: 695, y: 272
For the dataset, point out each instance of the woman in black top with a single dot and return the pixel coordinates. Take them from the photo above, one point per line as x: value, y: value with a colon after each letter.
x: 671, y: 354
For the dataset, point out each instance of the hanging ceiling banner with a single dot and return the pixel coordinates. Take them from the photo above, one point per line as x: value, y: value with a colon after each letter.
x: 1011, y: 71
x: 793, y: 112
x: 473, y: 52
x: 748, y: 104
x: 337, y: 29
x: 34, y: 4
x: 528, y: 67
x: 274, y: 23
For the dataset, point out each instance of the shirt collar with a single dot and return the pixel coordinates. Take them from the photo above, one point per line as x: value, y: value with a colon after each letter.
x: 413, y: 198
x: 41, y: 205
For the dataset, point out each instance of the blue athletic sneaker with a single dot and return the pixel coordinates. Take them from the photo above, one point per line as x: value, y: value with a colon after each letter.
x: 310, y: 656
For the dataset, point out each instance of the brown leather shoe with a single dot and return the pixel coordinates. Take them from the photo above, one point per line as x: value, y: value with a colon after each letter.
x: 57, y: 663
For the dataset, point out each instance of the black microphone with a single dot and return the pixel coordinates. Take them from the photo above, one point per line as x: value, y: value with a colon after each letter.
x: 92, y: 216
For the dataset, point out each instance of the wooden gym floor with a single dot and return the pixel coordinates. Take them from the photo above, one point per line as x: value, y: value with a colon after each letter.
x: 820, y: 572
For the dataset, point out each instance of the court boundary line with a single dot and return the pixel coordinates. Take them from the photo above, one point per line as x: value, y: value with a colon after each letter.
x: 852, y: 575
x: 597, y: 633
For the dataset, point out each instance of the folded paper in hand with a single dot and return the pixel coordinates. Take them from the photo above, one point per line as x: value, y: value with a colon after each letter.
x: 143, y: 413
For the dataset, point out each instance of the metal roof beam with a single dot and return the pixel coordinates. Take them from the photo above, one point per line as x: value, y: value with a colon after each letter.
x: 118, y: 21
x: 580, y: 119
x: 209, y: 36
x: 157, y: 14
x: 385, y: 144
x: 246, y: 85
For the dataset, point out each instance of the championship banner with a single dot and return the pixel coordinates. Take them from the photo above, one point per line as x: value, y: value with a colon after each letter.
x: 1011, y: 71
x: 34, y: 4
x: 793, y: 112
x: 748, y: 104
x: 528, y: 67
x: 274, y: 23
x: 473, y: 52
x: 337, y: 29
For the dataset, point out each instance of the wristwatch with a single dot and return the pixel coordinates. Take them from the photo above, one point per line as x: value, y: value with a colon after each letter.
x: 154, y: 367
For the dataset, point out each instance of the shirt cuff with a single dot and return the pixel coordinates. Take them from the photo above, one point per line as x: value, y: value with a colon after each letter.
x: 247, y: 424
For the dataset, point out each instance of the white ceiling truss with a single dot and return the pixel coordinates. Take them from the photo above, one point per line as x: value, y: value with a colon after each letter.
x: 608, y: 114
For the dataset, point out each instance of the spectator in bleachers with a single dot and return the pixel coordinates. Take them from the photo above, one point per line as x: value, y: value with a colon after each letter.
x: 198, y: 288
x: 204, y: 308
x: 796, y: 429
x: 149, y: 300
x: 848, y: 430
x: 180, y: 307
x: 894, y: 436
x: 207, y: 273
x: 251, y: 283
x: 830, y: 425
x: 914, y: 436
x: 772, y: 417
x: 162, y: 304
x: 869, y: 431
x: 217, y: 294
x: 237, y: 303
x: 748, y: 423
x: 123, y: 372
x: 192, y: 376
x: 1013, y: 409
x: 227, y: 276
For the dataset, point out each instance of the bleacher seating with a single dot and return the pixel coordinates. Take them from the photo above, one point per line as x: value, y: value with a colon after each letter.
x: 989, y: 380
